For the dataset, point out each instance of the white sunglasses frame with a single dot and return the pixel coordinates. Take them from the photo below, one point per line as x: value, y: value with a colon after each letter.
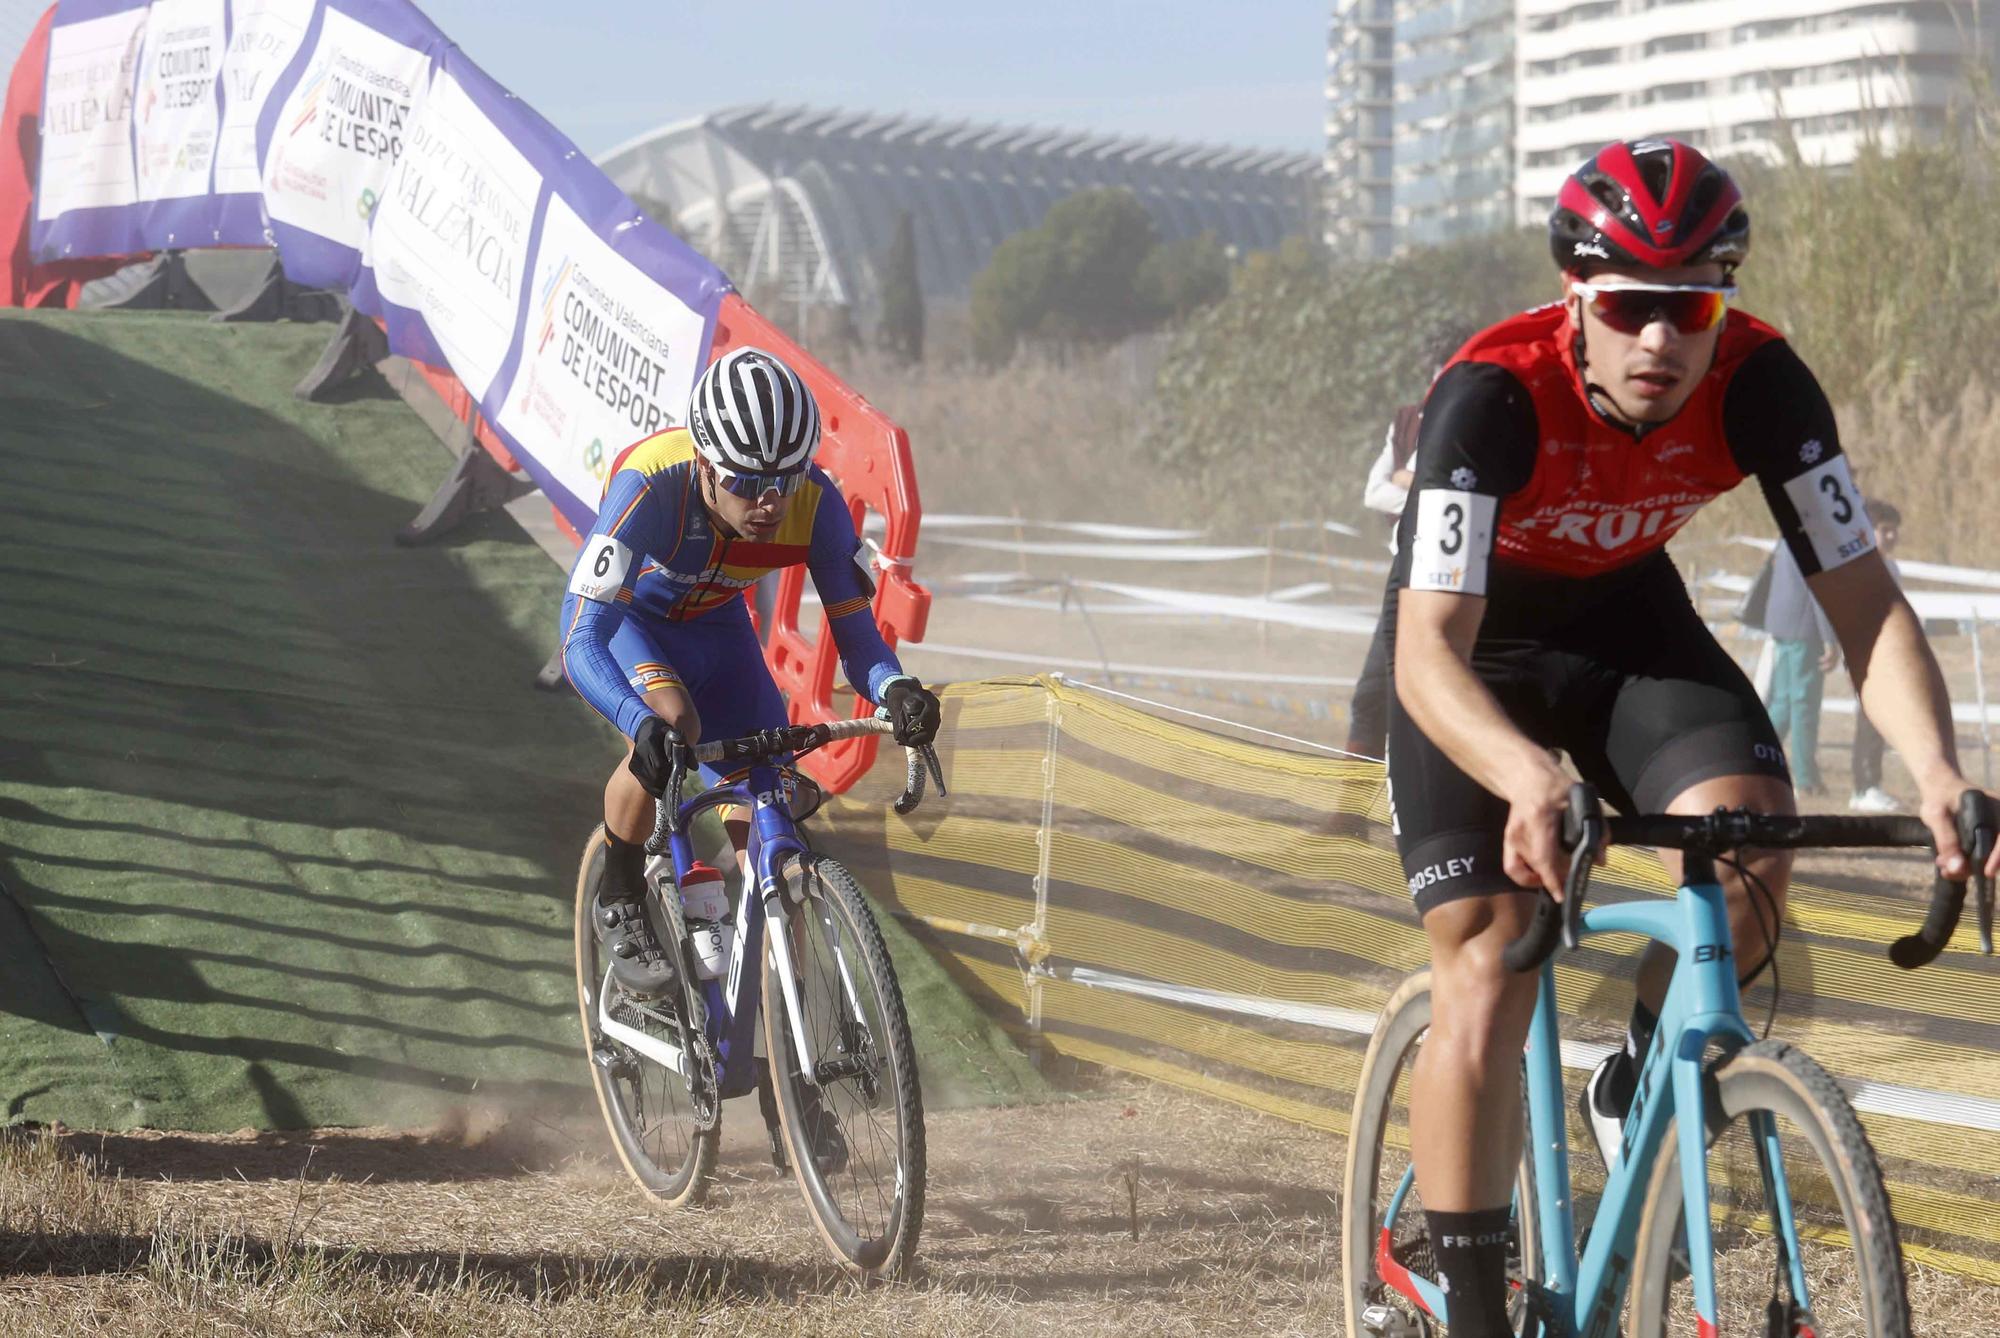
x: 1588, y: 291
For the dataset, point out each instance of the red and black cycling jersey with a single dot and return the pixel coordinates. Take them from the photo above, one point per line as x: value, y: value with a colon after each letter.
x: 1522, y: 488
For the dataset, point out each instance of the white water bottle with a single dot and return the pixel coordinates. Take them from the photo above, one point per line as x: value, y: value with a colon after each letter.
x: 705, y: 907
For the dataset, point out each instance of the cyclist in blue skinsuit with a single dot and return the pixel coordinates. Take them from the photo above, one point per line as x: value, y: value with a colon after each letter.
x: 655, y: 631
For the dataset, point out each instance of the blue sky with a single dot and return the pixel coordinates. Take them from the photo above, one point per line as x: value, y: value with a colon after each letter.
x: 605, y: 70
x: 1248, y: 73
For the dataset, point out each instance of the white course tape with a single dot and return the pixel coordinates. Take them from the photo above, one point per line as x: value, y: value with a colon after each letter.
x: 1095, y: 529
x: 1965, y: 713
x: 1916, y: 571
x: 1109, y: 552
x: 1955, y: 1109
x: 1323, y: 618
x: 1132, y: 670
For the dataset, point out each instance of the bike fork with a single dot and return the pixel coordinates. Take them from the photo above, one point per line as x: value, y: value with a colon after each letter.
x: 1789, y: 1314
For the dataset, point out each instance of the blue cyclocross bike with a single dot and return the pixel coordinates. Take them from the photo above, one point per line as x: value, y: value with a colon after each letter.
x: 838, y: 1077
x: 1765, y: 1215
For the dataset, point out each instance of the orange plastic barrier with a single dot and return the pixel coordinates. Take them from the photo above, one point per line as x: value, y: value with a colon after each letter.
x: 869, y: 457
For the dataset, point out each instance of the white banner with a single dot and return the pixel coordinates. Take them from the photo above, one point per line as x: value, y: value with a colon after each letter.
x: 340, y: 129
x: 606, y: 359
x: 176, y: 117
x: 87, y: 114
x: 450, y: 240
x: 264, y: 36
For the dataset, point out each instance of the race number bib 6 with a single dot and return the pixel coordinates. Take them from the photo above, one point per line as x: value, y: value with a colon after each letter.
x: 600, y: 568
x: 1831, y: 512
x: 1453, y: 541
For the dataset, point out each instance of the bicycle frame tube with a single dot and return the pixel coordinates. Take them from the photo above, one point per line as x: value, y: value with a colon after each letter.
x: 732, y: 1011
x: 773, y: 840
x: 1702, y: 1006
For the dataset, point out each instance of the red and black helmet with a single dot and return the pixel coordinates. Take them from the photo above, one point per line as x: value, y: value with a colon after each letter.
x: 1649, y: 204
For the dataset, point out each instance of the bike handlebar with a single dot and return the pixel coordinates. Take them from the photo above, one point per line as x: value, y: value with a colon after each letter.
x: 1585, y: 830
x: 796, y: 739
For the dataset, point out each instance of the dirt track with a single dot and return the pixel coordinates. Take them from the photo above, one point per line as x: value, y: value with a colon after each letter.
x: 1029, y: 1227
x: 522, y: 1229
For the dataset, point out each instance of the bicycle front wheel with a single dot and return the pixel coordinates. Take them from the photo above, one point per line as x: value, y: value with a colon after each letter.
x: 648, y: 1107
x: 850, y: 1104
x: 1781, y: 1133
x: 1384, y: 1252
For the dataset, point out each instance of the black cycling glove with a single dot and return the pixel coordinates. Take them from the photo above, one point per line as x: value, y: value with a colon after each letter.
x: 913, y: 710
x: 657, y: 752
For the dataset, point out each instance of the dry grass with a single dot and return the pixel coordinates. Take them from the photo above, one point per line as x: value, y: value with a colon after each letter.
x: 1077, y: 440
x: 1031, y: 1230
x: 1929, y: 459
x: 1054, y: 439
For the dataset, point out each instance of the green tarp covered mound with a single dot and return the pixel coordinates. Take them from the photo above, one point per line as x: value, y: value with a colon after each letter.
x: 287, y: 836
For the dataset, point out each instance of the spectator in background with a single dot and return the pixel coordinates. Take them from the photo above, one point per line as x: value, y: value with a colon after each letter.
x: 1388, y: 487
x: 1806, y: 651
x: 1869, y: 796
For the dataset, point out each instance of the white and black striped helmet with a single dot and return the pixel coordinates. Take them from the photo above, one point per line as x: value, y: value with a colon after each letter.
x: 751, y: 414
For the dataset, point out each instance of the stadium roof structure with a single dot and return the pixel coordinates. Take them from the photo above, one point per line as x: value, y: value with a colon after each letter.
x: 807, y: 200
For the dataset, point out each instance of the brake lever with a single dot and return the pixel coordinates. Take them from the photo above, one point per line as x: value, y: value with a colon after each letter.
x: 1583, y: 833
x: 921, y: 758
x: 1979, y: 848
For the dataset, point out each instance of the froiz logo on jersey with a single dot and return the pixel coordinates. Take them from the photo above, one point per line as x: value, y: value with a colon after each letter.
x: 1811, y: 451
x: 1611, y: 530
x: 1464, y: 479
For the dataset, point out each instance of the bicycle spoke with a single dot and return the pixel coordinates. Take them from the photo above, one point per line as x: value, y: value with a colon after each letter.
x: 852, y: 1097
x: 649, y: 1108
x: 1803, y: 1238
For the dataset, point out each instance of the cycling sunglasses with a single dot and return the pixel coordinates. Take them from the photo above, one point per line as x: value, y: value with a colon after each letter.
x: 1630, y: 307
x: 752, y: 486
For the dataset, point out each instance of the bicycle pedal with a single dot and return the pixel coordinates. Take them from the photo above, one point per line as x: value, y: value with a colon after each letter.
x: 1385, y: 1321
x: 613, y: 1062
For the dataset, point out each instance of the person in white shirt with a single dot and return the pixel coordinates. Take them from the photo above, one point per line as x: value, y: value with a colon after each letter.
x: 1387, y: 489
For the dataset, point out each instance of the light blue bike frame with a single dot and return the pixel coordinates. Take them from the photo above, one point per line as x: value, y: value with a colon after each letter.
x: 1702, y: 1009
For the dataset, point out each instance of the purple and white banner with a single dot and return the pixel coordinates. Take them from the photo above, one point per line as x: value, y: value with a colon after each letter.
x: 355, y: 137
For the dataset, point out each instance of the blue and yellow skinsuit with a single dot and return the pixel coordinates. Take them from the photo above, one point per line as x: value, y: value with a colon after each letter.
x: 656, y: 596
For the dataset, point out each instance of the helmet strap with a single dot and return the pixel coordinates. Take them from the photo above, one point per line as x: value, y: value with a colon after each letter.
x: 1596, y: 396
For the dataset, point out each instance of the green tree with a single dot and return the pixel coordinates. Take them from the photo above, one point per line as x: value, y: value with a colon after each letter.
x: 1100, y: 239
x: 1177, y: 278
x: 1074, y: 278
x: 901, y: 329
x: 1299, y: 368
x: 1011, y: 295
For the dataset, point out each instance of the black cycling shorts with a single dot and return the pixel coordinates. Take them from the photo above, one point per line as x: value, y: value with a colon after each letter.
x: 1633, y: 687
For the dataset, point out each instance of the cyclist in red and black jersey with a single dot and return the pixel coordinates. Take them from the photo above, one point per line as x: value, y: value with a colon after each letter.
x: 1536, y: 608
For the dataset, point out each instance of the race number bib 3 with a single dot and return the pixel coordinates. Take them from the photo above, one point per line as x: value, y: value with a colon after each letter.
x: 1831, y: 512
x: 1453, y: 541
x: 600, y: 568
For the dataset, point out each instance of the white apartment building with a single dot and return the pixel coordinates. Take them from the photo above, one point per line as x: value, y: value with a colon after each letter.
x: 1730, y: 76
x: 1420, y: 122
x: 1360, y: 127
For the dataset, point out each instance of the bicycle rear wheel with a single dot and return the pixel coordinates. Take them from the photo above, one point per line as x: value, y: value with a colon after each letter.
x: 1769, y: 1096
x: 1381, y: 1255
x: 855, y: 1122
x: 661, y: 1139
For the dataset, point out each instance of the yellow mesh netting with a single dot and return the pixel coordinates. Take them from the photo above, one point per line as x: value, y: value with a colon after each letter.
x: 1226, y: 916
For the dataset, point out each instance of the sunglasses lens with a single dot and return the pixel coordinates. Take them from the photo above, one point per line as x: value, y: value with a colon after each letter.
x: 1630, y: 310
x: 752, y: 486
